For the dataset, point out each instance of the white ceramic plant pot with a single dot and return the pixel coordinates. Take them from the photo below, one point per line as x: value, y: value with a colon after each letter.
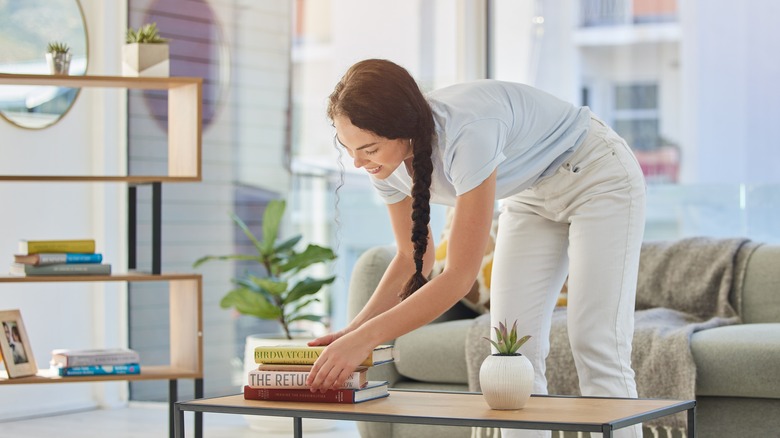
x: 145, y: 59
x: 277, y: 424
x: 506, y: 381
x: 59, y: 63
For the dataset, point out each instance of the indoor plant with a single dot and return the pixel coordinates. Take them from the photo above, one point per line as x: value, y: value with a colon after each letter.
x: 280, y: 294
x: 506, y: 377
x: 145, y: 53
x: 58, y: 57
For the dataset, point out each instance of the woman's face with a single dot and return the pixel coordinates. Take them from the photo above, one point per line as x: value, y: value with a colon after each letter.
x: 379, y: 156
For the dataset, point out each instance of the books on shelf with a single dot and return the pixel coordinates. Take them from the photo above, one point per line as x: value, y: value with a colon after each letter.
x: 294, y: 376
x: 23, y: 270
x: 58, y: 257
x: 27, y: 247
x: 371, y: 391
x: 98, y: 370
x: 307, y: 355
x: 99, y: 356
x: 54, y: 258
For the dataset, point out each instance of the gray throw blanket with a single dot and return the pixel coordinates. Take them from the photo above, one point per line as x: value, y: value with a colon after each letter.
x: 683, y: 287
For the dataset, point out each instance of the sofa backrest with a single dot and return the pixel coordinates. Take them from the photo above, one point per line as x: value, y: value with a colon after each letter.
x: 761, y: 290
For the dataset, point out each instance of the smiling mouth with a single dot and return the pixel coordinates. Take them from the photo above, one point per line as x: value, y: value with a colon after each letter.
x: 374, y: 170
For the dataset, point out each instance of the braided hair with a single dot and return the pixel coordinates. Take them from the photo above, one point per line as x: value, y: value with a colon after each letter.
x: 380, y: 96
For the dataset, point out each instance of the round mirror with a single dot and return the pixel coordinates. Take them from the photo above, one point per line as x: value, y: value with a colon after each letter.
x: 26, y: 29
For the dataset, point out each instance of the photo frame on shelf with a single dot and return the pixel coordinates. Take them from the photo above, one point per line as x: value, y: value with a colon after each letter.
x: 15, y: 345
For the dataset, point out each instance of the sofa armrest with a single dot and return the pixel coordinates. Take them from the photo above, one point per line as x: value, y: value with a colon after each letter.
x: 738, y: 361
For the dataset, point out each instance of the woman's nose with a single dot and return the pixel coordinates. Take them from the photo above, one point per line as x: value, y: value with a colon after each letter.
x: 359, y: 162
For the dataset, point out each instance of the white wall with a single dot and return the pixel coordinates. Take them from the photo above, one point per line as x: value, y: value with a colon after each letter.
x: 88, y: 139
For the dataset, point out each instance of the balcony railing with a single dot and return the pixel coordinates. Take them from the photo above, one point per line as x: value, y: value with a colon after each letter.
x: 627, y: 12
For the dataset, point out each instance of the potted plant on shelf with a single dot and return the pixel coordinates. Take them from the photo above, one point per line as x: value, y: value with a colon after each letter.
x: 145, y: 52
x: 506, y: 377
x: 58, y: 58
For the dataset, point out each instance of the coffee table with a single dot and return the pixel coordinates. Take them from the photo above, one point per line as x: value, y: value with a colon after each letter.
x: 585, y: 414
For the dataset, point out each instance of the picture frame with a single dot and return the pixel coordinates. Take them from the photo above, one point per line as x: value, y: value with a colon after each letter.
x: 15, y: 346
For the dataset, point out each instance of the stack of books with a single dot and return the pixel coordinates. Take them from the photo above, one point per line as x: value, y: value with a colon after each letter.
x: 283, y: 369
x: 95, y: 362
x: 58, y: 257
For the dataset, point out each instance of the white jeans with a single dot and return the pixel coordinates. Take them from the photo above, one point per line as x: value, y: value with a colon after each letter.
x: 585, y: 220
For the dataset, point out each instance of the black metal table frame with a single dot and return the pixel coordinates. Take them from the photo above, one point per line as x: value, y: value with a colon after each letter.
x: 299, y: 414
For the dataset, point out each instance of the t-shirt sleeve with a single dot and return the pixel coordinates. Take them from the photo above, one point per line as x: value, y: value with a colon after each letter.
x: 474, y: 153
x: 387, y: 192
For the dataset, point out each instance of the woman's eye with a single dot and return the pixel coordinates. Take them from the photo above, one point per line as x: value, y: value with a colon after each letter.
x: 371, y: 152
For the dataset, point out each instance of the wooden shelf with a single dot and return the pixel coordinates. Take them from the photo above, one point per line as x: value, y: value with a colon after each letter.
x: 150, y: 372
x: 130, y: 276
x: 184, y: 122
x: 185, y: 314
x: 185, y: 308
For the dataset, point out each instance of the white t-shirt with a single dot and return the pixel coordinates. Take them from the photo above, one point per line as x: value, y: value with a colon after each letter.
x: 486, y: 125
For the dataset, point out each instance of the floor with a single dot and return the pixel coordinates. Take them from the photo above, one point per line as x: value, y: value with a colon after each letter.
x: 150, y: 420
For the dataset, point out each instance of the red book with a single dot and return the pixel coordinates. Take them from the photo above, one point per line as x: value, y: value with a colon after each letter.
x: 374, y: 390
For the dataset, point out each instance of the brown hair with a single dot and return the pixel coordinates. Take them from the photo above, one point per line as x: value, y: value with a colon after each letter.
x: 380, y: 96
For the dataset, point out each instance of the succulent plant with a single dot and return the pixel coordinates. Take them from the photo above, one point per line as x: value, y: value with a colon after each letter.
x: 506, y: 341
x: 57, y: 47
x: 146, y: 34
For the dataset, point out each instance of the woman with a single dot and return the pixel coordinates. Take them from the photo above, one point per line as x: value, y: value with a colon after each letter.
x: 572, y: 200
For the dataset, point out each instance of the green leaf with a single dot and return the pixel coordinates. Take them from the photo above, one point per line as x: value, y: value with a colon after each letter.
x: 288, y: 245
x: 250, y: 282
x: 205, y: 259
x: 315, y: 318
x: 272, y: 218
x: 248, y: 302
x: 247, y: 232
x: 272, y: 286
x: 313, y: 254
x: 305, y: 287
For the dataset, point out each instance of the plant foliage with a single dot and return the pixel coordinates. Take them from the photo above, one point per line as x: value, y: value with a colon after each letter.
x: 506, y: 341
x: 281, y: 294
x: 57, y: 47
x: 146, y: 34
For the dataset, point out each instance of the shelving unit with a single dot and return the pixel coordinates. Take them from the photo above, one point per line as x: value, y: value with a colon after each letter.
x: 185, y: 290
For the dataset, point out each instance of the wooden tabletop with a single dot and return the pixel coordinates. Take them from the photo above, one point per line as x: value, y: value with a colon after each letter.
x: 423, y: 407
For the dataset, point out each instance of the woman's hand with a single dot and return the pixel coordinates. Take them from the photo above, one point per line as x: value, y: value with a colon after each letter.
x: 339, y: 359
x: 327, y: 339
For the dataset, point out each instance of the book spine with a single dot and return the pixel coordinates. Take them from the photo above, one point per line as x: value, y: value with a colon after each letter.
x: 69, y: 269
x: 100, y: 370
x: 59, y: 258
x: 39, y: 246
x: 291, y: 379
x: 276, y: 355
x: 93, y: 360
x: 284, y: 394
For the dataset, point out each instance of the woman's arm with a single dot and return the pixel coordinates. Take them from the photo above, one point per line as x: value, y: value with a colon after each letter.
x: 469, y: 236
x: 395, y: 276
x: 401, y: 267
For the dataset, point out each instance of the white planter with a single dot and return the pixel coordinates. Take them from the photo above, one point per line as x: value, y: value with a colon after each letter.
x: 59, y: 63
x: 506, y: 381
x: 145, y: 60
x: 277, y: 424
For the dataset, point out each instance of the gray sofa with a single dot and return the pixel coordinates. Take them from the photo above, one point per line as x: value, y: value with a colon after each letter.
x: 737, y: 386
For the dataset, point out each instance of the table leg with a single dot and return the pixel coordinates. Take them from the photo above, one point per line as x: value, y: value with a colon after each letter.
x: 178, y: 422
x: 606, y: 431
x: 298, y: 427
x: 692, y: 422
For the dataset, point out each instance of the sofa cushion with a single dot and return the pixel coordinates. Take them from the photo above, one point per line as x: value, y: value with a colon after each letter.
x: 738, y: 361
x: 434, y: 352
